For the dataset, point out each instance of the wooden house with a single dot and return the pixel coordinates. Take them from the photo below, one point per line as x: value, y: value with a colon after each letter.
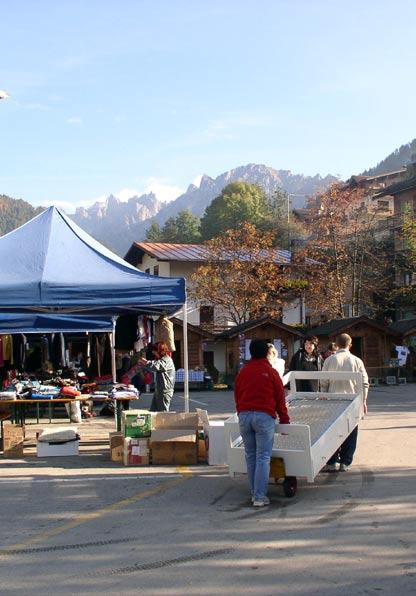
x: 373, y: 342
x: 236, y: 341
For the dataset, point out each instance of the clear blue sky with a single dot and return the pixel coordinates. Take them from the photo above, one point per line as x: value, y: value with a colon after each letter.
x: 110, y: 95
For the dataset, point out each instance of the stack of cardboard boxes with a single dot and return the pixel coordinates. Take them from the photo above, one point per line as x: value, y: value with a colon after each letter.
x: 174, y: 439
x: 163, y: 438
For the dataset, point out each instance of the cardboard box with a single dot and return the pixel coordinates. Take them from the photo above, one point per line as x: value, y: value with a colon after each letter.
x: 136, y: 452
x: 116, y: 446
x: 57, y: 449
x: 174, y: 439
x: 13, y: 440
x: 136, y: 423
x: 178, y: 453
x: 215, y: 439
x: 172, y: 420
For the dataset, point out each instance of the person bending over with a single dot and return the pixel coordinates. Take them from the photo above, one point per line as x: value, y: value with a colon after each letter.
x: 259, y: 398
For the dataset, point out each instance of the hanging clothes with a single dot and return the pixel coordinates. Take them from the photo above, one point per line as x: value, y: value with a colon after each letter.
x: 106, y: 360
x: 8, y: 348
x: 19, y: 351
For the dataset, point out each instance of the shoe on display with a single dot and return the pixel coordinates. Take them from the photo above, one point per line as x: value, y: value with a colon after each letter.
x: 343, y: 468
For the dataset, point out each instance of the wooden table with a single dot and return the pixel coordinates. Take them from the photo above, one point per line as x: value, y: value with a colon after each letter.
x: 19, y: 406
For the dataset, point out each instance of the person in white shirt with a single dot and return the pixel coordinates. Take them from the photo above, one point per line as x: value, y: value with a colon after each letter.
x: 344, y: 361
x: 276, y: 362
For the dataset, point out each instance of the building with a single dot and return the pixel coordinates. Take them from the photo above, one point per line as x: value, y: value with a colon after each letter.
x: 403, y: 195
x: 373, y: 342
x: 234, y: 342
x: 182, y: 260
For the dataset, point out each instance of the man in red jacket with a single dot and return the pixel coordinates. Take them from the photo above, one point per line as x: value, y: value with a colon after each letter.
x: 259, y: 397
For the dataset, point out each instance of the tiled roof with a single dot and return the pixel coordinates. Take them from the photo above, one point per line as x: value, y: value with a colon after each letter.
x: 164, y: 251
x: 336, y: 326
x: 237, y: 329
x: 396, y: 189
x: 404, y: 326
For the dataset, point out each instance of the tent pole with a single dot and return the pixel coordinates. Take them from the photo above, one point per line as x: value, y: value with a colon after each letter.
x: 185, y: 358
x: 63, y: 363
x: 113, y: 351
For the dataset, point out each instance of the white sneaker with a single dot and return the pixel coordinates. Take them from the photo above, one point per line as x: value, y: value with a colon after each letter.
x: 343, y: 468
x: 331, y: 468
x: 261, y: 502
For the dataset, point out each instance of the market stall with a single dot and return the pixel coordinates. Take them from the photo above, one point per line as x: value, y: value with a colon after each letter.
x: 50, y: 266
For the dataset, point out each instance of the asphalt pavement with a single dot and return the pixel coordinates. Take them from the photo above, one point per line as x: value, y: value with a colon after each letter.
x: 86, y: 525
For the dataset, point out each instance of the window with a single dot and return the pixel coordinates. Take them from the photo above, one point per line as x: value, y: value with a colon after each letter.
x: 156, y: 270
x: 206, y: 315
x: 147, y: 271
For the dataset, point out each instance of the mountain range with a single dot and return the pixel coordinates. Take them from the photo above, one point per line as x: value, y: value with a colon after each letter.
x: 117, y: 224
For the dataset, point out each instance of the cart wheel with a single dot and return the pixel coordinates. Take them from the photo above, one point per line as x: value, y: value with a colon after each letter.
x: 290, y: 485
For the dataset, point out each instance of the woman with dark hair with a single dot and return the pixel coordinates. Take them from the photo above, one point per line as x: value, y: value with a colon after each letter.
x: 307, y: 358
x: 164, y: 370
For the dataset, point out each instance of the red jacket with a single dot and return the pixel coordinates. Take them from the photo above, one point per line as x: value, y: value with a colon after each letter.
x: 258, y: 387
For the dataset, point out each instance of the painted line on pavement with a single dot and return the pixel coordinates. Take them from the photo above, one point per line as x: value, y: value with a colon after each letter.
x: 87, y: 479
x: 82, y: 518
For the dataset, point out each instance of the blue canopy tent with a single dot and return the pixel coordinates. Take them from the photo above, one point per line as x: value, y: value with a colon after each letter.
x: 50, y: 265
x: 45, y: 323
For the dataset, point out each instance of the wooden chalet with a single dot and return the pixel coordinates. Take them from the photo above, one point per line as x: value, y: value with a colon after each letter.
x: 373, y: 342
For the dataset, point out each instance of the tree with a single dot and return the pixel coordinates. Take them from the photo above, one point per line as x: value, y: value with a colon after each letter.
x: 184, y: 229
x: 243, y: 277
x: 238, y: 203
x: 281, y: 220
x: 352, y: 260
x: 154, y: 233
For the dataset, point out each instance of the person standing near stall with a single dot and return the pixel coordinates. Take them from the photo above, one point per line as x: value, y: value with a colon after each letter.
x: 259, y: 398
x: 307, y: 359
x: 164, y: 370
x: 344, y: 361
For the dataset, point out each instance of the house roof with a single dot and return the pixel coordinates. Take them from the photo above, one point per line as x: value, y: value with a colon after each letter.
x: 337, y: 326
x: 405, y: 326
x: 399, y: 187
x: 237, y: 329
x: 164, y: 251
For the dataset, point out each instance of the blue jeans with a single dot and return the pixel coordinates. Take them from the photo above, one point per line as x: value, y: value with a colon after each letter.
x: 257, y: 431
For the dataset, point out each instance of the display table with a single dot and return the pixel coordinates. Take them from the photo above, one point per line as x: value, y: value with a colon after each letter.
x: 19, y: 406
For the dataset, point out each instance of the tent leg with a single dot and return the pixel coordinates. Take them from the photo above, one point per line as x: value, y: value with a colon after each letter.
x: 113, y: 351
x: 185, y: 359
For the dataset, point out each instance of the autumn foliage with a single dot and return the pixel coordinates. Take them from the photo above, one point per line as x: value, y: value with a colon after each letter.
x: 352, y: 259
x: 244, y: 275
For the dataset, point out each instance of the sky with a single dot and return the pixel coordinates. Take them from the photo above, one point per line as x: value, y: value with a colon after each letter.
x: 128, y: 96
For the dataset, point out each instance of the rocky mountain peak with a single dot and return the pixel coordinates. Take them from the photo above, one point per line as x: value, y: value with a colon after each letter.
x: 120, y: 223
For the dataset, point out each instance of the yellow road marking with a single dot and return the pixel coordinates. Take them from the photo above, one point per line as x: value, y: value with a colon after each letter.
x: 86, y: 517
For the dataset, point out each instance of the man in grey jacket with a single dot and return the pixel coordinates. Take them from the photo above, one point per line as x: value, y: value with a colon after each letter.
x: 344, y: 361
